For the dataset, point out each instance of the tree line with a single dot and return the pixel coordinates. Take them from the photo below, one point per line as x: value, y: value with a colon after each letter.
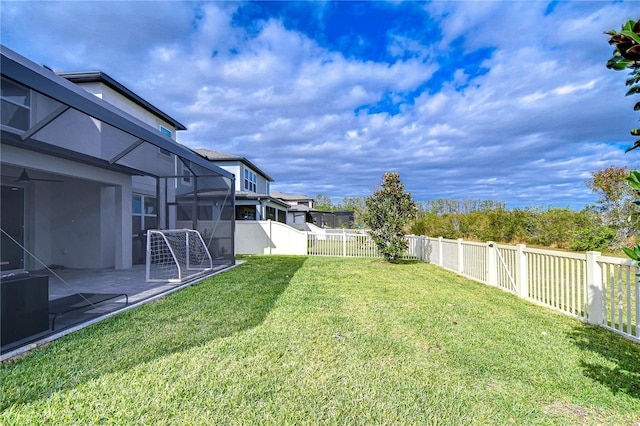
x: 607, y: 226
x: 551, y: 227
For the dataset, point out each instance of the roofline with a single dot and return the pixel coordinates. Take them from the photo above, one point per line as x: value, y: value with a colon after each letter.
x: 258, y: 197
x: 292, y: 197
x: 102, y: 77
x: 236, y: 158
x: 40, y: 79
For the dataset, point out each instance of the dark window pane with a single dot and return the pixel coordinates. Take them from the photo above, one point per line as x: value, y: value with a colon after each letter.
x: 136, y: 225
x: 15, y: 93
x: 184, y: 212
x: 136, y: 206
x: 150, y: 222
x: 14, y: 116
x: 150, y: 205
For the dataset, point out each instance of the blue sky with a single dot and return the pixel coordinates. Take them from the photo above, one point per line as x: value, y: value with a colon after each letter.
x: 508, y: 101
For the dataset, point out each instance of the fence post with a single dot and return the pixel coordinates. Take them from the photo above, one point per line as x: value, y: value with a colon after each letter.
x: 421, y: 251
x: 307, y: 243
x: 492, y: 272
x: 522, y: 275
x: 270, y: 238
x: 344, y: 243
x: 460, y: 256
x: 593, y: 307
x: 440, y: 252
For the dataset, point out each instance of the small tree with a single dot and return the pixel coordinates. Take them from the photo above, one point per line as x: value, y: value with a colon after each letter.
x: 615, y: 199
x: 323, y: 202
x: 388, y: 212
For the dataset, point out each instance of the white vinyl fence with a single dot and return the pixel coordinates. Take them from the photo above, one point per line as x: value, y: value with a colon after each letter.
x: 599, y: 289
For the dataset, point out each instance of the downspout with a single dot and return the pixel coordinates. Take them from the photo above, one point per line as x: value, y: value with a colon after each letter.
x: 158, y: 222
x: 194, y: 208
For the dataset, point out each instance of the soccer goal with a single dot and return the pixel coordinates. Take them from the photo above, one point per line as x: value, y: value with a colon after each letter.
x: 176, y: 255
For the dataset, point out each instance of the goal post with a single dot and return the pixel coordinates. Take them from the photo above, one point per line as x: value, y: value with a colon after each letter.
x: 176, y: 255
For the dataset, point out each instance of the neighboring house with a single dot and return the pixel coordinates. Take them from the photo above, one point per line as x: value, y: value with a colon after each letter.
x: 87, y: 166
x: 253, y: 201
x: 300, y: 208
x: 302, y: 211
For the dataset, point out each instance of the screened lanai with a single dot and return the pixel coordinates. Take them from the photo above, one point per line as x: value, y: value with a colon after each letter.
x: 82, y: 180
x: 93, y: 155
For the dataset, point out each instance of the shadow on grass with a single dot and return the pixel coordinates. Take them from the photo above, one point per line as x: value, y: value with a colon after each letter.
x: 219, y: 307
x: 621, y: 370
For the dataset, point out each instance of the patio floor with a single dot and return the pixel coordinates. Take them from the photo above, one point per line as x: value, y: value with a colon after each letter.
x: 66, y: 282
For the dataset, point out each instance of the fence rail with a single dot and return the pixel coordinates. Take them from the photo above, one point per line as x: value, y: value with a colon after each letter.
x: 599, y: 289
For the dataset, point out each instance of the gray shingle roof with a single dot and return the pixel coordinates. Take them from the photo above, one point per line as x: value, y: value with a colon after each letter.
x: 290, y: 197
x: 214, y: 156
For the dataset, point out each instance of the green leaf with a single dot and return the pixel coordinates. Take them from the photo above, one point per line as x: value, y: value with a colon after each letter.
x: 633, y: 90
x: 634, y: 179
x: 628, y: 26
x: 636, y: 107
x: 635, y: 77
x: 635, y: 132
x: 635, y: 37
x: 630, y: 254
x: 634, y: 146
x: 618, y: 63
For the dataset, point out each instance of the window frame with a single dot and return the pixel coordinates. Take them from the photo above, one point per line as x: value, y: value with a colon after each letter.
x: 28, y: 108
x: 144, y: 198
x: 167, y: 132
x: 250, y: 180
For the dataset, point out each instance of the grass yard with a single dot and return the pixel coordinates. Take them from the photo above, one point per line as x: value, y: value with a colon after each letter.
x: 296, y: 340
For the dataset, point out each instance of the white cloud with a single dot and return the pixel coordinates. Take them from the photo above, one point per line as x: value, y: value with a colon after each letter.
x: 526, y: 131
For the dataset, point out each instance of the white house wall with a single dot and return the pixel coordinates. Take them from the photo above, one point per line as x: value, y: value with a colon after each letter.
x: 107, y: 94
x: 233, y: 168
x: 269, y: 237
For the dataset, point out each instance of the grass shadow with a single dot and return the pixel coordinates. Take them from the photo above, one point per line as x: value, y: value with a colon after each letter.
x: 620, y: 370
x: 221, y: 306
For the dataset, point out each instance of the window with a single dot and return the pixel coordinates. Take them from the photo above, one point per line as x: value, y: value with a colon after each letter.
x: 282, y: 216
x: 184, y: 173
x: 16, y: 105
x: 271, y: 213
x: 250, y: 181
x: 186, y: 176
x: 144, y: 213
x: 167, y: 132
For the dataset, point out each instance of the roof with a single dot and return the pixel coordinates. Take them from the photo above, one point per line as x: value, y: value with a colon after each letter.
x: 241, y: 195
x: 30, y: 74
x: 101, y: 77
x: 220, y: 157
x: 290, y: 197
x: 302, y: 208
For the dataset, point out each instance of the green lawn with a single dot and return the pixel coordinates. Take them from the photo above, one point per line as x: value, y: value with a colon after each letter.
x: 296, y: 340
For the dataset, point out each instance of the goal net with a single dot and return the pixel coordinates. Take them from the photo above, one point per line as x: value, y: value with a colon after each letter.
x: 176, y: 255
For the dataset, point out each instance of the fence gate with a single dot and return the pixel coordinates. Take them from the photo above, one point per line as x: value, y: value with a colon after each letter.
x: 505, y: 263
